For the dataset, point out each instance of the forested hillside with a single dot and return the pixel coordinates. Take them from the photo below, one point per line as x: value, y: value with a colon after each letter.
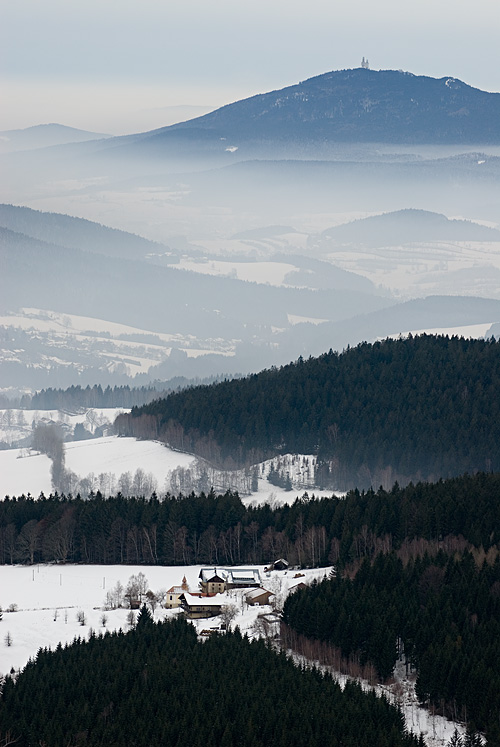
x: 406, y: 227
x: 358, y: 105
x: 158, y: 685
x: 442, y: 614
x: 418, y: 408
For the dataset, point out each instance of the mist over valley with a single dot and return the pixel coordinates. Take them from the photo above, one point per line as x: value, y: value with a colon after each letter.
x: 281, y: 225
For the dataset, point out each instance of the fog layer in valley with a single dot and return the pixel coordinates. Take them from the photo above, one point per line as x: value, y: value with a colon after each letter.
x: 249, y: 236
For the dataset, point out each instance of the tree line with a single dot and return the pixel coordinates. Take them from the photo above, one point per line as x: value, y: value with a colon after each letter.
x: 158, y: 685
x: 451, y: 515
x: 409, y: 409
x: 77, y: 396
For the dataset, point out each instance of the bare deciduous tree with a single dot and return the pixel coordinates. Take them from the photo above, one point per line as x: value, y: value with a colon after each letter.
x: 137, y: 587
x: 28, y: 541
x: 228, y: 613
x: 152, y: 600
x: 114, y: 597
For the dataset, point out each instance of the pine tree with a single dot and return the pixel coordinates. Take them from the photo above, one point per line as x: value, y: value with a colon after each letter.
x: 144, y: 619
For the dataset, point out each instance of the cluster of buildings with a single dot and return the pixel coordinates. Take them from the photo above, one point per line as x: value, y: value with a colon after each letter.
x: 214, y: 584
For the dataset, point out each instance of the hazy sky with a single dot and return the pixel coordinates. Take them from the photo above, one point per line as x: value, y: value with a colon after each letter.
x: 110, y: 65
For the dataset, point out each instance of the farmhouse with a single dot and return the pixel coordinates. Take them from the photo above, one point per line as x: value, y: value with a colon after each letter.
x: 212, y: 581
x: 218, y: 580
x: 196, y: 607
x: 241, y: 578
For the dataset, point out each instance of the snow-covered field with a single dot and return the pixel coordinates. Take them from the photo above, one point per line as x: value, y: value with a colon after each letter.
x: 272, y: 273
x: 418, y: 270
x: 23, y: 471
x: 48, y: 598
x: 119, y: 455
x: 135, y: 467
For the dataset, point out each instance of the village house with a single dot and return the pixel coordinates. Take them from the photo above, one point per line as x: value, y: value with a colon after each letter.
x: 212, y: 581
x: 197, y: 607
x: 241, y: 578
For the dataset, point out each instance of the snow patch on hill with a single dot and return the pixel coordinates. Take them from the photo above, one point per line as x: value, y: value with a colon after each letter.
x: 111, y: 464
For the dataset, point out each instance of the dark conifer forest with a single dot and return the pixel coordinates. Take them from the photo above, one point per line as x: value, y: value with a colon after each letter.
x: 458, y: 513
x: 157, y: 685
x: 441, y: 614
x: 417, y: 577
x: 409, y: 409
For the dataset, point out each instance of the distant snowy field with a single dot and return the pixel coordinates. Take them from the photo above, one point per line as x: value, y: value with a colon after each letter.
x: 106, y: 459
x: 22, y: 472
x: 118, y: 455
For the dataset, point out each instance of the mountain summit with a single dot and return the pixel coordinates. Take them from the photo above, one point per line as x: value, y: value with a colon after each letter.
x: 359, y: 105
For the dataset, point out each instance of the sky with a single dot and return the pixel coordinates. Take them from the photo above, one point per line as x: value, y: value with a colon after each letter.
x: 120, y: 66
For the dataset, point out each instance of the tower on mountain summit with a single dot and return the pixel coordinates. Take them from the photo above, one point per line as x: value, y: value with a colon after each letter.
x: 365, y: 64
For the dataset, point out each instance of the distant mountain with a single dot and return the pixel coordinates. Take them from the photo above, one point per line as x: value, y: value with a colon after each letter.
x: 385, y: 106
x: 408, y: 227
x: 43, y: 136
x: 77, y: 233
x: 433, y: 312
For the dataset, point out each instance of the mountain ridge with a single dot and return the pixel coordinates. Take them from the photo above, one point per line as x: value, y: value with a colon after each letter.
x: 45, y: 136
x: 410, y: 225
x: 356, y: 105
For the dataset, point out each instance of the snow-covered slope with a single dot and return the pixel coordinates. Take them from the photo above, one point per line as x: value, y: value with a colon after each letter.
x: 102, y: 460
x: 138, y: 467
x: 24, y: 471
